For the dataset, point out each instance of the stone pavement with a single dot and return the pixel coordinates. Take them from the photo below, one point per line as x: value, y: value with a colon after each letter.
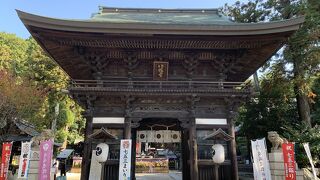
x: 159, y: 176
x: 140, y: 176
x: 72, y: 176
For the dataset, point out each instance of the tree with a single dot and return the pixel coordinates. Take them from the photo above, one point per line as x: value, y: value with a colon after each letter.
x: 272, y: 110
x: 12, y: 53
x: 288, y: 85
x: 29, y: 65
x: 18, y: 100
x: 302, y: 50
x: 316, y: 101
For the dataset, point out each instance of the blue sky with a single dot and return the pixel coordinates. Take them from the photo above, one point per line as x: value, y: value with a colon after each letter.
x: 82, y: 9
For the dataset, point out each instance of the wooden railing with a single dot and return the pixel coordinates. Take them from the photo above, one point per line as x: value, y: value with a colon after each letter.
x: 160, y: 85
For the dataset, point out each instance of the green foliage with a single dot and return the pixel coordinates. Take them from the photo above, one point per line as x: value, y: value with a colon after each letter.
x: 302, y: 133
x: 32, y: 68
x: 316, y: 101
x: 272, y: 109
x: 61, y: 135
x: 288, y: 89
x: 300, y: 60
x: 12, y: 53
x: 18, y: 100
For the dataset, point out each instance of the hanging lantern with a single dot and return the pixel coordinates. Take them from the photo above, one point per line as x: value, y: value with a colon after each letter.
x: 102, y: 151
x: 218, y: 153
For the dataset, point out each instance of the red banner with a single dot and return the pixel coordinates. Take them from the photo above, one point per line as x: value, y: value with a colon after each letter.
x: 6, y: 152
x: 289, y: 161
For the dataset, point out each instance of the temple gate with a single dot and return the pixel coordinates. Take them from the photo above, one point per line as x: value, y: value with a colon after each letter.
x: 133, y: 68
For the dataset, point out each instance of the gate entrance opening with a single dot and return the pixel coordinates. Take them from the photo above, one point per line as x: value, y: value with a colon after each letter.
x: 158, y: 149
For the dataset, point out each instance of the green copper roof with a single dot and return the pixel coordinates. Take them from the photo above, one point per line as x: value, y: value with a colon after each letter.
x: 161, y: 16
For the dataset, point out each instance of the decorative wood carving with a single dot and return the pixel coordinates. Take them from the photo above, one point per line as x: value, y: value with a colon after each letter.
x: 157, y: 43
x: 128, y: 109
x: 233, y: 103
x: 135, y: 122
x: 96, y: 60
x: 192, y: 100
x: 226, y: 62
x: 131, y: 61
x: 190, y: 63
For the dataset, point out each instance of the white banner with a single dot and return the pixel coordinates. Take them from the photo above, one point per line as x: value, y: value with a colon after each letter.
x: 24, y: 160
x: 307, y: 149
x: 260, y: 161
x: 125, y: 159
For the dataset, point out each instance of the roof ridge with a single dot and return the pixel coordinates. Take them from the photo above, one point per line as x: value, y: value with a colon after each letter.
x: 104, y: 9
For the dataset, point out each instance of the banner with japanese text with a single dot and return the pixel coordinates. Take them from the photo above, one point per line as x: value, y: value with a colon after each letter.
x: 289, y: 161
x: 307, y: 149
x: 125, y: 159
x: 24, y: 159
x: 46, y: 150
x: 261, y: 167
x: 6, y: 153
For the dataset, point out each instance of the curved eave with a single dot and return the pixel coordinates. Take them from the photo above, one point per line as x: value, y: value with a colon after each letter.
x: 144, y: 28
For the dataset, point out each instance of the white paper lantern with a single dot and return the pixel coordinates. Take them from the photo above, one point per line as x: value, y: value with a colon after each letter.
x: 175, y: 136
x: 218, y: 155
x: 142, y: 136
x: 102, y: 151
x: 159, y: 136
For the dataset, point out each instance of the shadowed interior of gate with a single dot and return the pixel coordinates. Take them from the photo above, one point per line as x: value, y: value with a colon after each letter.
x: 158, y: 149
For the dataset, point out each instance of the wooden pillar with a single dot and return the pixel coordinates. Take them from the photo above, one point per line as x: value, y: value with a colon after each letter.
x: 233, y: 151
x: 216, y: 172
x: 127, y: 128
x: 133, y: 155
x: 193, y: 150
x: 185, y: 154
x: 86, y: 158
x: 128, y: 135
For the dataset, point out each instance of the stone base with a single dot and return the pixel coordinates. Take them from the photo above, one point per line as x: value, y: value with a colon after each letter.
x: 277, y: 167
x: 34, y: 165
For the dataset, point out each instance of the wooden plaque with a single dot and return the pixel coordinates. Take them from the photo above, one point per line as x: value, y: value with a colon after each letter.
x: 160, y: 70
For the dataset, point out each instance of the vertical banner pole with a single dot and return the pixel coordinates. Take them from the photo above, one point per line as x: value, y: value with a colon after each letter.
x: 307, y: 149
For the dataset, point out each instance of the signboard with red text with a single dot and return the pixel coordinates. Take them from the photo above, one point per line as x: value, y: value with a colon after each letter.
x: 24, y: 160
x: 6, y: 152
x: 289, y: 161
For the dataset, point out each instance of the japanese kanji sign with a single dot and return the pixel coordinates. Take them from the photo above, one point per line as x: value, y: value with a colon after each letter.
x: 261, y: 167
x: 45, y: 159
x: 160, y: 70
x: 24, y: 160
x: 289, y: 162
x: 125, y: 159
x: 6, y: 152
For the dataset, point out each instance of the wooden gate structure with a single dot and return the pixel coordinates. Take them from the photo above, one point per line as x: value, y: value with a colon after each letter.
x: 127, y: 65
